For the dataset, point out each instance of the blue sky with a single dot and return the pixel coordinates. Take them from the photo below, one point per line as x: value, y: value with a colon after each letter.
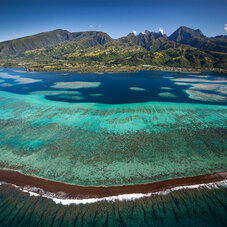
x: 20, y: 18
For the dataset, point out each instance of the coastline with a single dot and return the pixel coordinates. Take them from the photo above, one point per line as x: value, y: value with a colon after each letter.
x: 118, y: 70
x: 69, y: 191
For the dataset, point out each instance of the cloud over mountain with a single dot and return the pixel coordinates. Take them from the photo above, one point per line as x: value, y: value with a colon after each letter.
x: 134, y: 32
x: 161, y: 31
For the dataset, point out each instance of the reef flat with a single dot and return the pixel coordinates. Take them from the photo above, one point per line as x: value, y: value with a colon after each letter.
x: 100, y: 144
x: 18, y: 79
x: 146, y: 148
x: 137, y: 89
x: 108, y: 130
x: 75, y: 85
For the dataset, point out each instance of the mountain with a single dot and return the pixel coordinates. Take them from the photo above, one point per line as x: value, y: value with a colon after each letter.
x: 185, y: 34
x: 97, y: 51
x: 90, y: 38
x: 42, y: 40
x: 151, y: 41
x: 196, y: 39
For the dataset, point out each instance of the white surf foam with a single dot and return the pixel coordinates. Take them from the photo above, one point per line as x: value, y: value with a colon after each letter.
x: 58, y: 198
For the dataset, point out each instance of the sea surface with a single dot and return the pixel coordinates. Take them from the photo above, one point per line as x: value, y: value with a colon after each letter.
x: 114, y: 129
x: 195, y: 207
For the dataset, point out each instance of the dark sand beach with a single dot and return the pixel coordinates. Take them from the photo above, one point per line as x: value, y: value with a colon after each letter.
x: 82, y: 192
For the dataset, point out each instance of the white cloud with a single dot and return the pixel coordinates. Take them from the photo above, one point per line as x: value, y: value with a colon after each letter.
x: 225, y: 27
x: 91, y: 25
x: 161, y: 31
x: 134, y: 32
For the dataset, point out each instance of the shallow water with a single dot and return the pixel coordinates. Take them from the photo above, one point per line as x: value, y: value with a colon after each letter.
x: 117, y: 88
x: 114, y: 129
x: 88, y: 143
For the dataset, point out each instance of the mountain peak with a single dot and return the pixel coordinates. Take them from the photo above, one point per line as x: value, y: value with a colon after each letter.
x: 146, y: 32
x: 184, y: 34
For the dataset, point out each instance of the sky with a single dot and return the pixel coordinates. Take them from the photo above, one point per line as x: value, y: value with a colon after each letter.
x: 20, y: 18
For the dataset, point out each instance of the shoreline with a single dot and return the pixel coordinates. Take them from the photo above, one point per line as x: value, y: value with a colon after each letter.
x: 131, y: 70
x: 69, y: 191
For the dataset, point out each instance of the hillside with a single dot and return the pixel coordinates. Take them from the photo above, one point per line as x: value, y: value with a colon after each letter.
x: 196, y: 39
x: 18, y: 46
x: 97, y: 51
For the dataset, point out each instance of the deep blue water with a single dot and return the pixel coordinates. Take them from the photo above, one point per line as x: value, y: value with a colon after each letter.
x: 198, y: 207
x: 114, y: 88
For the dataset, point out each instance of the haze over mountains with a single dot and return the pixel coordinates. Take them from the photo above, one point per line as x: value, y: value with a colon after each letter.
x: 186, y: 47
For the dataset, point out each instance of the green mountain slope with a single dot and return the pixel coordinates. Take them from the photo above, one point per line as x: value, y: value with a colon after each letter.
x: 196, y: 39
x: 184, y: 34
x: 18, y: 46
x: 90, y: 38
x: 43, y: 40
x: 62, y: 50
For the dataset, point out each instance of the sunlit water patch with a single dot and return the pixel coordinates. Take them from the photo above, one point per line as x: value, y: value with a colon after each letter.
x: 205, y: 86
x: 18, y: 79
x: 166, y: 88
x: 167, y: 95
x: 208, y: 91
x: 137, y: 89
x: 55, y: 92
x: 96, y: 95
x: 6, y: 85
x: 76, y: 85
x: 202, y: 96
x: 199, y: 80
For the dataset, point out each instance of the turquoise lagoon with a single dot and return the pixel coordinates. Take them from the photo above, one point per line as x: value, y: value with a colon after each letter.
x: 112, y: 129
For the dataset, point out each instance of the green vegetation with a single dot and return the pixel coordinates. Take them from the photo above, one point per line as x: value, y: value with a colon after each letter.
x: 196, y: 39
x: 97, y: 52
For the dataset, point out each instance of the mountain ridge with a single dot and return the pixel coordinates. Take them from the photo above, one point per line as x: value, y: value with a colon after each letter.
x: 186, y: 47
x: 197, y: 39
